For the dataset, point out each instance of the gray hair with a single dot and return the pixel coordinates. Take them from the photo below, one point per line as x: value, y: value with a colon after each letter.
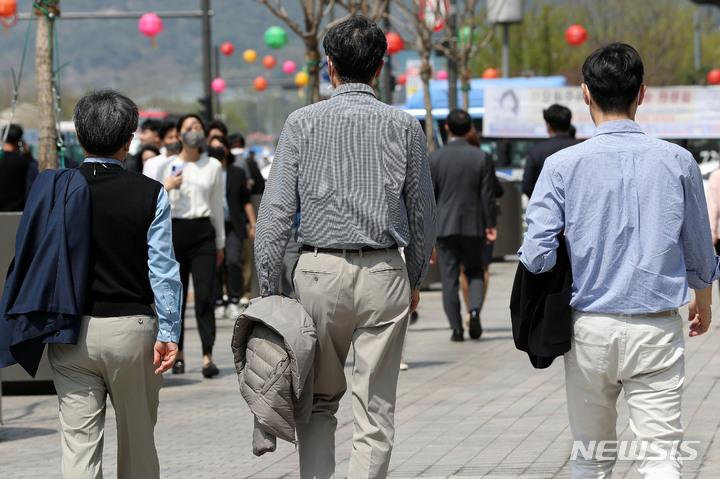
x: 104, y: 121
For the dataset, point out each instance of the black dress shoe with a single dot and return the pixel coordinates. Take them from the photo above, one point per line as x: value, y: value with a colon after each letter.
x: 210, y: 370
x: 475, y: 327
x: 178, y: 367
x: 413, y: 317
x: 457, y: 336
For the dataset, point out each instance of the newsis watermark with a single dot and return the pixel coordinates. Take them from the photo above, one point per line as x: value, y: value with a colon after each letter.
x: 634, y: 450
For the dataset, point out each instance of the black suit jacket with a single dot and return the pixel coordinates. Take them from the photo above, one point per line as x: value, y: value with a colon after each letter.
x: 463, y: 179
x: 237, y: 197
x: 536, y: 159
x: 540, y: 310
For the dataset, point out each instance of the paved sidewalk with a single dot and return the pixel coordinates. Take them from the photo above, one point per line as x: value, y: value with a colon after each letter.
x: 473, y: 410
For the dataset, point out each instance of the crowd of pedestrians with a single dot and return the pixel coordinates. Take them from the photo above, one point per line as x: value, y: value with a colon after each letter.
x: 352, y: 214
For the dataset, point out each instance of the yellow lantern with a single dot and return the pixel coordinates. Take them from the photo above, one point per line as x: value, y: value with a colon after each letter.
x: 301, y: 79
x: 249, y: 56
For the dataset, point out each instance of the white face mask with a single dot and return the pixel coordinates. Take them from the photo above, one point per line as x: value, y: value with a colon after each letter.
x: 237, y: 151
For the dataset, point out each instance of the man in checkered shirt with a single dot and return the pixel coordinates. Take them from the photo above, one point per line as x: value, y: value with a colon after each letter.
x: 358, y: 171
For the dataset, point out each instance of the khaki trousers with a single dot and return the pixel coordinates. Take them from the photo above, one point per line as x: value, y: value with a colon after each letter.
x: 642, y: 356
x: 358, y: 299
x: 113, y: 357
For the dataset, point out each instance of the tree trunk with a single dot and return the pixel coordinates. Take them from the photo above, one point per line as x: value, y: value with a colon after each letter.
x: 312, y: 61
x: 47, y: 147
x: 425, y: 75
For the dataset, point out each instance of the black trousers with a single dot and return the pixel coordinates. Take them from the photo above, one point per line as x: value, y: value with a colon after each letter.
x: 453, y: 251
x: 230, y: 271
x: 194, y: 242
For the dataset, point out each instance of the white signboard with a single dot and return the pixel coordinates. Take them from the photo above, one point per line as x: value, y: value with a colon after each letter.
x: 666, y: 112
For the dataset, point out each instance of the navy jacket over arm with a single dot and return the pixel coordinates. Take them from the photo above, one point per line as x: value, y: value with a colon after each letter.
x: 47, y: 281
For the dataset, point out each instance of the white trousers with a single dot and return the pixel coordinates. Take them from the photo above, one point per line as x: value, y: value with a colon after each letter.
x: 641, y: 356
x: 363, y: 301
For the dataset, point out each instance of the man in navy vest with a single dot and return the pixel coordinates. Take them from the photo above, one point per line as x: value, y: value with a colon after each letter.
x: 124, y: 342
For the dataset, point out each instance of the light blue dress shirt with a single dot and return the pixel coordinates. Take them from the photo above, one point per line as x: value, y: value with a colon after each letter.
x: 164, y: 271
x: 635, y: 219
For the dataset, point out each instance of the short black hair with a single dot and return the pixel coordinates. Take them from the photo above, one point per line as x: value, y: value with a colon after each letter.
x: 237, y: 138
x: 613, y: 75
x: 355, y: 47
x: 15, y: 134
x: 165, y: 127
x: 104, y: 121
x: 145, y: 148
x: 558, y: 117
x: 219, y: 125
x: 182, y: 119
x: 150, y: 124
x: 459, y: 122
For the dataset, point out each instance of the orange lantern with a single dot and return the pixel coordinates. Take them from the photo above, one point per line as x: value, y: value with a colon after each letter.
x: 260, y: 83
x: 8, y: 14
x: 268, y: 61
x: 491, y: 73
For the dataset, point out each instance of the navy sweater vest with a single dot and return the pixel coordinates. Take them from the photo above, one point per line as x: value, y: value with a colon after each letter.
x: 123, y: 205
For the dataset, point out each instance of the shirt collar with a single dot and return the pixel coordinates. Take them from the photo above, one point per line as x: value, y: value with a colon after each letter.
x: 353, y: 88
x: 618, y: 126
x: 111, y: 161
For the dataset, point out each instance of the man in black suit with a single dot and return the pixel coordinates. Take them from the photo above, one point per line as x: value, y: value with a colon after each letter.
x: 557, y: 120
x: 462, y: 177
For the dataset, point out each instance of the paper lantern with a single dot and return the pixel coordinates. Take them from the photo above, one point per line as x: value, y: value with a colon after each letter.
x: 289, y: 67
x: 268, y: 61
x: 260, y: 83
x: 275, y: 37
x: 150, y: 25
x: 491, y: 73
x: 218, y: 85
x: 395, y: 43
x: 402, y: 79
x: 249, y: 56
x: 227, y: 48
x: 575, y: 35
x: 713, y: 76
x: 464, y: 35
x: 302, y: 79
x: 442, y: 75
x: 8, y: 8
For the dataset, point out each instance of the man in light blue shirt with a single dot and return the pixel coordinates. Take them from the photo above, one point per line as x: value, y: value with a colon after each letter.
x: 632, y: 209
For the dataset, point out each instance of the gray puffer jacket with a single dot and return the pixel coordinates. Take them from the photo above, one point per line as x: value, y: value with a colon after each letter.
x: 274, y: 345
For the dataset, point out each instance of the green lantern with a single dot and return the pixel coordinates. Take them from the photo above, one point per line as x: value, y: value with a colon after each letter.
x: 464, y: 35
x: 275, y: 37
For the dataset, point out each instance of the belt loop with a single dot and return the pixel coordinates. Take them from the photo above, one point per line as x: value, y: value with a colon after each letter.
x: 360, y: 252
x: 344, y: 253
x: 387, y: 250
x: 316, y: 251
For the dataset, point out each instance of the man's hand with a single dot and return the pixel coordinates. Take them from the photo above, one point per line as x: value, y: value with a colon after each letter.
x: 490, y: 234
x: 433, y: 256
x: 220, y: 257
x: 165, y: 354
x: 700, y: 314
x: 414, y: 300
x: 251, y: 235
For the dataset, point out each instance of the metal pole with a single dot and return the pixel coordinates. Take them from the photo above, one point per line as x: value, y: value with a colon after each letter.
x: 696, y: 22
x: 451, y: 65
x: 216, y: 74
x: 387, y: 86
x: 506, y: 50
x: 207, y: 56
x: 119, y: 15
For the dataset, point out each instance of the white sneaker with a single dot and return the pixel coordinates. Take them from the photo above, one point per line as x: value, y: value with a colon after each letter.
x: 219, y: 312
x: 244, y: 301
x: 403, y: 366
x: 233, y: 311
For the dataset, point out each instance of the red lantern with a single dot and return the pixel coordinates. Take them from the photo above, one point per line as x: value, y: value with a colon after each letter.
x: 150, y: 25
x: 401, y: 79
x: 395, y: 43
x: 260, y: 83
x: 227, y: 48
x: 268, y: 61
x: 575, y: 35
x: 8, y: 8
x: 491, y: 73
x: 713, y: 76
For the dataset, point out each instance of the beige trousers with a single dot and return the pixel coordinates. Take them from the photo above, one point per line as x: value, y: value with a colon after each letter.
x: 360, y: 300
x: 113, y: 358
x: 641, y: 356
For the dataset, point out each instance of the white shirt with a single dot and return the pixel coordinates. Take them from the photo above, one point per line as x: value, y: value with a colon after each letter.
x: 201, y: 193
x: 155, y: 166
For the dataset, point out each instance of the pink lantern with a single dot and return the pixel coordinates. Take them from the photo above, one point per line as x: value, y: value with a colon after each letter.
x: 150, y: 25
x: 218, y: 85
x: 713, y: 76
x: 395, y: 43
x: 289, y: 67
x: 442, y: 75
x: 402, y: 79
x: 575, y: 35
x: 227, y: 48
